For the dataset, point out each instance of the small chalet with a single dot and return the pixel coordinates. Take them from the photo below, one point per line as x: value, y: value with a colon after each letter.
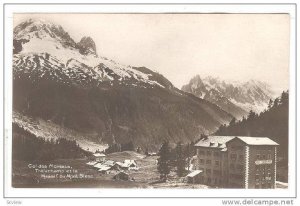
x: 128, y: 165
x: 99, y: 157
x: 104, y: 169
x: 91, y: 163
x: 109, y: 163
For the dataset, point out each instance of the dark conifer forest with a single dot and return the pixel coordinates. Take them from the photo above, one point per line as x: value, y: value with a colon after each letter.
x: 272, y: 123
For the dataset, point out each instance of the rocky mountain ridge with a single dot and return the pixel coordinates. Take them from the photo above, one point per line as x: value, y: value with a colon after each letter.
x: 76, y: 88
x: 237, y: 98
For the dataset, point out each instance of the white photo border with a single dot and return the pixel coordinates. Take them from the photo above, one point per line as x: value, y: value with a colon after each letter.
x: 10, y: 9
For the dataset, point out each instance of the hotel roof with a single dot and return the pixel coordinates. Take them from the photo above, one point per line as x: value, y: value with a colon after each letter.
x: 214, y: 141
x: 257, y: 140
x: 220, y: 141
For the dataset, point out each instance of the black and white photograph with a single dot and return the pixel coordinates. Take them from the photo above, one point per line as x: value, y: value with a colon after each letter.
x: 150, y: 101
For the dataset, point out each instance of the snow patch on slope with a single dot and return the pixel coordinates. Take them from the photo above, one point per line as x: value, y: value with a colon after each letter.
x: 49, y: 130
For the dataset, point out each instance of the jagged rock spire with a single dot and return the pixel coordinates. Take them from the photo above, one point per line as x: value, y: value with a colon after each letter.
x: 87, y: 46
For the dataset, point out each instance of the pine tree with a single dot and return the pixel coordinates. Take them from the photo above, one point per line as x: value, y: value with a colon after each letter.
x: 163, y: 164
x: 251, y: 115
x: 232, y: 122
x: 284, y: 99
x: 147, y: 152
x: 270, y: 105
x: 276, y: 102
x: 180, y: 160
x: 138, y: 149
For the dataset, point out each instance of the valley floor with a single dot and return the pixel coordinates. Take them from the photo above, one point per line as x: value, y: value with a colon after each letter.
x: 146, y: 177
x: 85, y: 176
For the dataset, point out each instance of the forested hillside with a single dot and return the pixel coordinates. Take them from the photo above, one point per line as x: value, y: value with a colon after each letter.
x: 272, y: 123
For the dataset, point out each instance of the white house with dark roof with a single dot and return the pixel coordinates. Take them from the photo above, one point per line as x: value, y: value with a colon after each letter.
x: 237, y: 162
x: 99, y: 157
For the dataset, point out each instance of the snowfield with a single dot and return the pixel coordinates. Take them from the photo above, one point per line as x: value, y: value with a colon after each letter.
x: 49, y: 130
x: 45, y: 38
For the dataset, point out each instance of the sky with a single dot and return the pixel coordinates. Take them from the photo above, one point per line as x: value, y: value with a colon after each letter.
x: 179, y: 46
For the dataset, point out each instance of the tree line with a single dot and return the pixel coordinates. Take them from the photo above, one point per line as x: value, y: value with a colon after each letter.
x: 120, y: 147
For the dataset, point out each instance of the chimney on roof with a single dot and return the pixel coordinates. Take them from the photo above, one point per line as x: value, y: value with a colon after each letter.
x: 219, y: 144
x: 211, y: 144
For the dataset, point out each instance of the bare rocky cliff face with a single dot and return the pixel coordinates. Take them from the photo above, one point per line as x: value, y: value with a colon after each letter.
x: 68, y: 84
x: 87, y: 46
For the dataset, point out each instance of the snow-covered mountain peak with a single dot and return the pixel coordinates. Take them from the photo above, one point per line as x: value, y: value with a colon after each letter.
x: 42, y: 29
x: 32, y: 27
x: 77, y: 62
x: 252, y: 94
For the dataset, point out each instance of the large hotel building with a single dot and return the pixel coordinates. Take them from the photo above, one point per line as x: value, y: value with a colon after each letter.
x: 237, y: 162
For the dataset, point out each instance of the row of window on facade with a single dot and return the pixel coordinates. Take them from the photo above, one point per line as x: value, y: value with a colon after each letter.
x: 263, y: 167
x: 217, y: 154
x: 214, y: 181
x: 236, y: 166
x: 236, y: 176
x: 234, y: 147
x: 267, y: 177
x: 217, y: 163
x: 263, y: 157
x: 234, y: 157
x: 263, y: 185
x: 209, y: 153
